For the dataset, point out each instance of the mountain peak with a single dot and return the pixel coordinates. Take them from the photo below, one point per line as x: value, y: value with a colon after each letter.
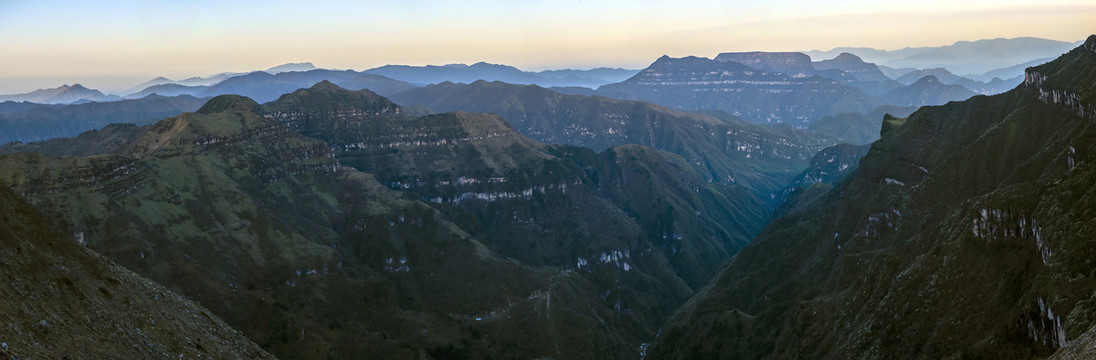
x: 848, y: 57
x: 1090, y: 43
x: 326, y: 96
x: 234, y: 103
x: 325, y: 85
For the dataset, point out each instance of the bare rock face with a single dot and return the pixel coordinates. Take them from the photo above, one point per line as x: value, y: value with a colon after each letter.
x: 788, y: 63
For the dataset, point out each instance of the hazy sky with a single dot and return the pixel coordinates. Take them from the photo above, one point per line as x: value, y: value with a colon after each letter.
x: 117, y: 44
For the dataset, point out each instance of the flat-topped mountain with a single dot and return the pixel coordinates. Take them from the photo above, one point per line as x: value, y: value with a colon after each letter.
x: 301, y: 66
x: 694, y: 83
x: 793, y: 64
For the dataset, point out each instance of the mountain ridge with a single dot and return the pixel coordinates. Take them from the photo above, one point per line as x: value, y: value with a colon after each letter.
x: 964, y: 226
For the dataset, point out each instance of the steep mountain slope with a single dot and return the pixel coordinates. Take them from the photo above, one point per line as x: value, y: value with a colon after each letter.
x: 483, y: 161
x: 828, y: 167
x: 694, y: 83
x: 51, y: 121
x: 469, y: 241
x: 263, y: 226
x: 965, y: 233
x: 928, y: 91
x: 721, y: 150
x: 62, y: 301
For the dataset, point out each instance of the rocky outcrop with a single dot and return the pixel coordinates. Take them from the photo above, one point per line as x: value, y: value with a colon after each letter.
x: 1034, y: 80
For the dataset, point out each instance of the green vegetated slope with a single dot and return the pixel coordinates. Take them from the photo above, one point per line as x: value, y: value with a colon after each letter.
x: 107, y: 140
x: 465, y: 239
x: 50, y: 121
x: 61, y: 300
x: 966, y: 232
x: 857, y: 128
x: 725, y: 150
x: 828, y: 168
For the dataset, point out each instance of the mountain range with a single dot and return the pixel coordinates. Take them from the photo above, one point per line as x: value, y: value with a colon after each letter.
x: 64, y: 94
x: 694, y: 83
x: 40, y: 122
x: 721, y: 149
x: 753, y: 205
x: 458, y: 226
x: 963, y: 234
x: 963, y: 57
x: 461, y: 73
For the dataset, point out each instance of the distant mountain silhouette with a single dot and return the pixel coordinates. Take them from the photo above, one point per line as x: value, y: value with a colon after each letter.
x: 304, y: 66
x: 928, y: 91
x: 461, y: 73
x: 64, y: 94
x: 963, y: 57
x: 755, y: 95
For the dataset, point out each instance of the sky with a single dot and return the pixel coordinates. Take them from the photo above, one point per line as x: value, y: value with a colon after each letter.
x: 112, y: 45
